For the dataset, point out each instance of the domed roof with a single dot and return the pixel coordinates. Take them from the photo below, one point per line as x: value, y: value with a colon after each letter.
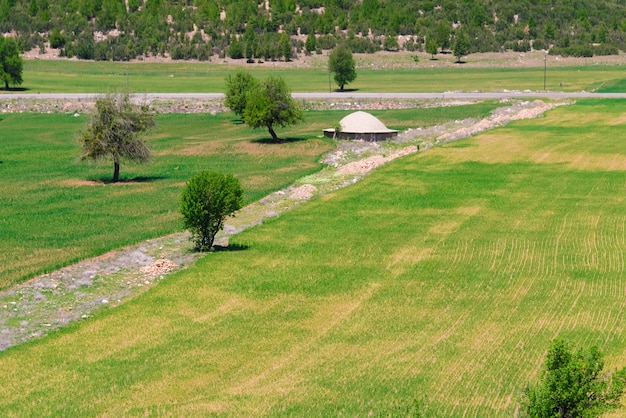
x: 362, y: 122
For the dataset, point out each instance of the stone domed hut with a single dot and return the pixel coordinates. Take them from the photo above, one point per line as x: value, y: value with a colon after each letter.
x: 361, y: 125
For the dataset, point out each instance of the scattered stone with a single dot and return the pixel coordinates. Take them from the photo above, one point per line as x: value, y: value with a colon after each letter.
x: 304, y: 192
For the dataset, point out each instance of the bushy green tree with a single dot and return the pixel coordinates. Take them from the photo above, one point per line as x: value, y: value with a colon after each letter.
x: 235, y: 51
x: 237, y: 88
x: 116, y: 131
x: 284, y: 46
x: 11, y: 64
x: 431, y: 47
x: 207, y: 200
x: 573, y: 385
x: 270, y: 104
x: 461, y: 45
x: 310, y: 43
x: 442, y: 35
x: 341, y: 63
x: 57, y: 39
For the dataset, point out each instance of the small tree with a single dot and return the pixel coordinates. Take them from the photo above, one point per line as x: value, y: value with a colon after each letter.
x: 284, y: 46
x: 442, y: 34
x: 341, y: 62
x: 207, y: 200
x: 270, y: 104
x: 431, y: 47
x: 235, y: 51
x: 461, y: 45
x: 237, y: 88
x: 115, y: 131
x: 573, y: 385
x: 310, y: 43
x: 11, y: 64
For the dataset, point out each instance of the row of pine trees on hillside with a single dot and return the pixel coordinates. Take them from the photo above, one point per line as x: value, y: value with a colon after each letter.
x: 279, y: 29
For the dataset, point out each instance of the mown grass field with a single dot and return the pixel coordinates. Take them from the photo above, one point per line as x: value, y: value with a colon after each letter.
x: 56, y: 210
x: 441, y: 278
x: 106, y: 77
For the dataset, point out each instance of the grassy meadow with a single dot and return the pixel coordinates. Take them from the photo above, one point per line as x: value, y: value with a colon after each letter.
x: 439, y: 279
x: 105, y: 77
x: 56, y: 209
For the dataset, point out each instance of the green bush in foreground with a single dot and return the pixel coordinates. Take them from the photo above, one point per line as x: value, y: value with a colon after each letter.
x: 206, y: 201
x: 573, y: 385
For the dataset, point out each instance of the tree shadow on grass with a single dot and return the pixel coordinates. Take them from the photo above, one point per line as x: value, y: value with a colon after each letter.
x: 270, y: 141
x: 345, y: 90
x: 129, y: 180
x: 20, y: 89
x: 230, y: 248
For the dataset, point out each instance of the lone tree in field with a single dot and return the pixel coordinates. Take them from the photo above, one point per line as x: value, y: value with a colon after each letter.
x: 11, y: 64
x: 461, y: 45
x: 116, y: 131
x: 573, y: 385
x: 237, y: 88
x: 206, y: 201
x: 341, y: 63
x: 270, y: 104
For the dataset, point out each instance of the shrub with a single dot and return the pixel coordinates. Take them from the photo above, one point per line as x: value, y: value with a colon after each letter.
x: 573, y: 384
x: 206, y: 201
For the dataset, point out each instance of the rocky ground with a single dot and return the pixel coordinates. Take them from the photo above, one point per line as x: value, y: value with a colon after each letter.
x: 48, y: 302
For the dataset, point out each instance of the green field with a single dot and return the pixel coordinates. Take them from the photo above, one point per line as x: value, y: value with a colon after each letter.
x: 441, y: 278
x: 56, y: 210
x: 105, y: 77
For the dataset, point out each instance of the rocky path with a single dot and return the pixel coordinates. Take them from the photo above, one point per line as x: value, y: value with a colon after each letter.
x: 48, y: 302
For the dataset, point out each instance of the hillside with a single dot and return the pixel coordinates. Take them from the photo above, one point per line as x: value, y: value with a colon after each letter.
x: 281, y: 29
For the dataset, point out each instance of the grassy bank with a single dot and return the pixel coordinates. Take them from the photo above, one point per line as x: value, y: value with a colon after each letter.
x: 54, y: 76
x: 440, y: 278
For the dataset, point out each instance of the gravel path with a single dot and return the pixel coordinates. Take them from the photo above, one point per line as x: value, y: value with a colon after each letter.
x: 48, y: 302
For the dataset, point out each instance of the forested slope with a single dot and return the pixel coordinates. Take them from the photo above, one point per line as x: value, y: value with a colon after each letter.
x: 280, y: 29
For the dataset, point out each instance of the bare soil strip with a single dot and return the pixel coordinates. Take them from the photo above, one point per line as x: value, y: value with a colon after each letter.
x: 50, y: 301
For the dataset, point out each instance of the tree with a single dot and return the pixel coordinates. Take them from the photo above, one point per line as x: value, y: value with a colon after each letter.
x: 431, y: 47
x: 270, y: 104
x: 391, y: 43
x: 237, y: 88
x: 236, y: 49
x: 573, y: 385
x: 11, y: 65
x: 461, y: 45
x: 207, y: 200
x: 115, y: 131
x: 341, y: 62
x: 310, y: 43
x: 442, y: 35
x: 284, y: 46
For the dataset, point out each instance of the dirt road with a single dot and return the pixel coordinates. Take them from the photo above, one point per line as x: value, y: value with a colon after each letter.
x: 449, y: 95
